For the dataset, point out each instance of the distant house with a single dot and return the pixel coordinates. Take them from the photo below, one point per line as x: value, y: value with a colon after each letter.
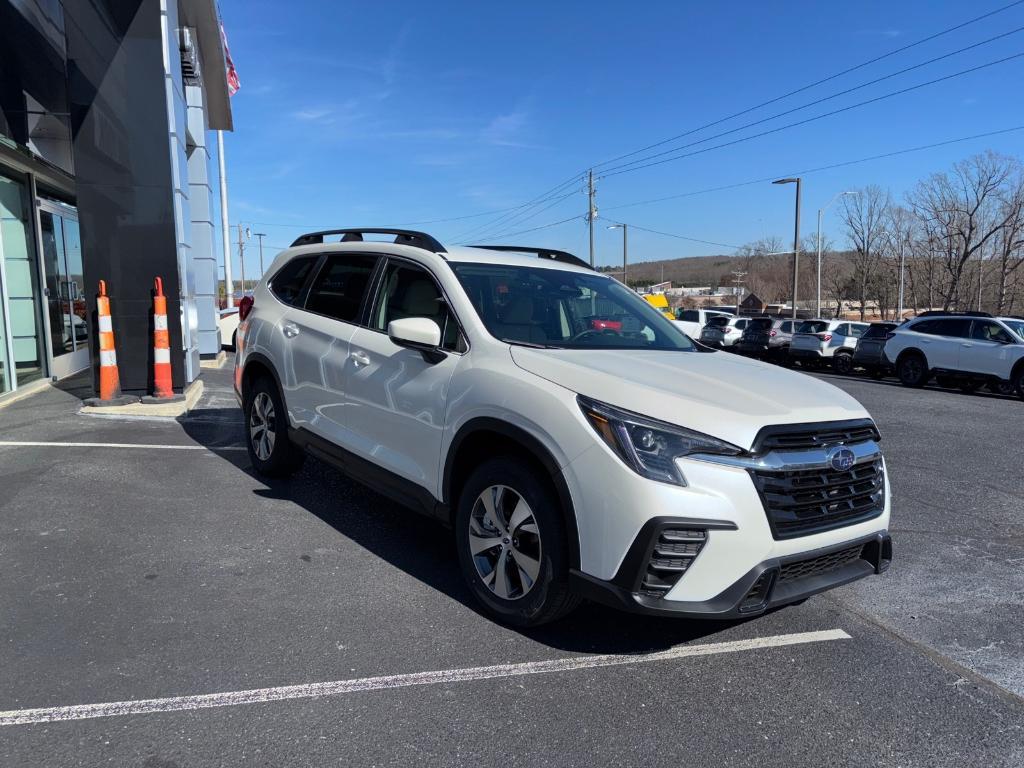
x: 752, y: 305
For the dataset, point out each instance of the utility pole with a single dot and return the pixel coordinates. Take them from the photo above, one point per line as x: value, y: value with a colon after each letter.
x: 241, y: 252
x: 591, y: 212
x: 796, y: 238
x: 624, y: 228
x: 224, y: 234
x: 260, y: 236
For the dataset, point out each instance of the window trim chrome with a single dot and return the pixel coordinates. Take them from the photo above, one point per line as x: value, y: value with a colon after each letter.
x: 790, y: 461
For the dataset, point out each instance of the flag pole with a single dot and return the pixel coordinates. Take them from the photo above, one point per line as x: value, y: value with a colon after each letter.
x: 229, y: 289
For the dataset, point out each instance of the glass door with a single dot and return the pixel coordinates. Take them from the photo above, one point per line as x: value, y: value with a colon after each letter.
x: 23, y: 334
x: 65, y: 288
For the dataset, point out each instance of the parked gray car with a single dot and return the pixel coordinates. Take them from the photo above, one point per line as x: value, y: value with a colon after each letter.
x: 766, y: 338
x: 870, y: 351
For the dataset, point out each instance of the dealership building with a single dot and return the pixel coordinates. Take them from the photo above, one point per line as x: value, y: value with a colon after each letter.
x: 107, y: 109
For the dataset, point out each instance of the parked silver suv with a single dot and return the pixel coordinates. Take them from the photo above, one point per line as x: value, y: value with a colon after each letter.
x: 766, y: 338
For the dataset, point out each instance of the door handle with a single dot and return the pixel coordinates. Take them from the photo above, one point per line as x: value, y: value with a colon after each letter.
x: 360, y: 358
x: 290, y: 330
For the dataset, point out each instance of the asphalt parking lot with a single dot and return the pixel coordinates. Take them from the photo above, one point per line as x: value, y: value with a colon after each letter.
x: 290, y: 623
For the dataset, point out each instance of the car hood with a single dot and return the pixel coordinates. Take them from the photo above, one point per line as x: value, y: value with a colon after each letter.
x: 719, y: 394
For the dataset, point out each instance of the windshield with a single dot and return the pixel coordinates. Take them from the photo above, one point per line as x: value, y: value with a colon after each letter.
x: 813, y: 326
x: 1017, y: 326
x: 556, y: 308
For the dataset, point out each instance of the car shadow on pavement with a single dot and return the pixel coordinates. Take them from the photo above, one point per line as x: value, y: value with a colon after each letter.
x: 424, y: 549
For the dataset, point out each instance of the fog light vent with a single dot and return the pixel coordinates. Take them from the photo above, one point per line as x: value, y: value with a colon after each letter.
x: 757, y: 597
x: 672, y: 554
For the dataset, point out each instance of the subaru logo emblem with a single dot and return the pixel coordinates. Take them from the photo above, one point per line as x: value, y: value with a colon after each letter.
x: 841, y: 459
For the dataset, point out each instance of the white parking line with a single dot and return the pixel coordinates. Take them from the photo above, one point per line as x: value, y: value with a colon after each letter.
x: 317, y: 690
x: 153, y: 446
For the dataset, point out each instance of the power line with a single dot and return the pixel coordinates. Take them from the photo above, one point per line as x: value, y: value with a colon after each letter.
x: 684, y: 237
x: 626, y: 169
x: 508, y: 218
x: 808, y: 171
x: 542, y: 226
x: 520, y: 222
x: 814, y: 84
x: 821, y: 100
x: 518, y: 219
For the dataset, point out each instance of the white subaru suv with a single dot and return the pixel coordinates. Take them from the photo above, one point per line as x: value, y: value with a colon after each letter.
x: 578, y: 443
x: 966, y: 349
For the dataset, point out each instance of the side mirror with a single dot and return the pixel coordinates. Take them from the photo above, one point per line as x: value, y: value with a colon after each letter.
x: 419, y: 333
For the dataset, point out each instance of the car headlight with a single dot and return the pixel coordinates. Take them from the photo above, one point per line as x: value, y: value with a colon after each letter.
x: 649, y: 447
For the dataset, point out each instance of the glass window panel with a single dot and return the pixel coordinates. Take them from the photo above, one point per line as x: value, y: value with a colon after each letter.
x: 74, y: 283
x: 53, y: 265
x: 22, y: 284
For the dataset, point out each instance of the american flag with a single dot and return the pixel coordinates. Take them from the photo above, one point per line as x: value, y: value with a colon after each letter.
x: 233, y: 82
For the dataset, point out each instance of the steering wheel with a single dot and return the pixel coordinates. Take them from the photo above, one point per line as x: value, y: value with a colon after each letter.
x: 591, y: 332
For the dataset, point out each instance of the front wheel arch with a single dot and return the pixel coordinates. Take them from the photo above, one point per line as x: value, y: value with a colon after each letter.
x: 909, y: 354
x: 484, y: 437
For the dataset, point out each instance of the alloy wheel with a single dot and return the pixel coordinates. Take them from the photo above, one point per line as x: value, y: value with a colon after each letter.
x: 262, y: 426
x: 504, y: 541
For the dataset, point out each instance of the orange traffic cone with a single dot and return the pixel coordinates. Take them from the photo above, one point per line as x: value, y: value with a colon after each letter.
x: 163, y: 391
x: 161, y: 345
x: 110, y: 379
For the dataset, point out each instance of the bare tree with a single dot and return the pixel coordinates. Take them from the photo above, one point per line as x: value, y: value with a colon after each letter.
x: 1009, y: 245
x: 864, y: 214
x: 962, y: 212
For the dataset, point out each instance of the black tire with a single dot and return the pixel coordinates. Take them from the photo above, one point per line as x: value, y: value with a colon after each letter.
x: 912, y: 370
x: 842, y: 363
x: 947, y: 382
x: 1004, y: 388
x: 1018, y: 381
x: 270, y: 450
x: 549, y: 596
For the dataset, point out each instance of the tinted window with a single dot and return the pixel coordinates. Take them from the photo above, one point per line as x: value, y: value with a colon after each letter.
x: 879, y: 330
x: 690, y: 315
x: 988, y: 331
x: 718, y: 321
x: 812, y: 326
x: 857, y: 330
x: 953, y: 326
x: 408, y: 291
x: 925, y: 326
x: 565, y: 309
x: 787, y: 327
x: 1017, y: 326
x: 741, y: 324
x: 843, y: 329
x: 288, y: 282
x: 760, y: 324
x: 339, y: 288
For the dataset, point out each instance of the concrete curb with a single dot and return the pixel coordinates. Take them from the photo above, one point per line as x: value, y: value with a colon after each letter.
x: 26, y: 391
x: 162, y: 409
x: 215, y: 362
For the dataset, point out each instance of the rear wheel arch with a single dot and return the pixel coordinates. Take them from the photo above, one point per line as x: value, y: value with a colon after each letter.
x: 483, y: 438
x: 257, y: 365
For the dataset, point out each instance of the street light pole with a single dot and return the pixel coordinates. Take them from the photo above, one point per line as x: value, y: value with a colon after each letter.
x: 796, y: 238
x: 817, y: 311
x: 260, y: 236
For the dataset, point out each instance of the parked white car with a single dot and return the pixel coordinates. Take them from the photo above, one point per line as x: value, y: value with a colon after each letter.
x: 827, y: 341
x: 723, y: 331
x: 965, y: 349
x: 576, y: 442
x: 692, y: 321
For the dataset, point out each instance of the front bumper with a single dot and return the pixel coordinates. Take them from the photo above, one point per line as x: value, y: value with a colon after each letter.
x: 770, y: 584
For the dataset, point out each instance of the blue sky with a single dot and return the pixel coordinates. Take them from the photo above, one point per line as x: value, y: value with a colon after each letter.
x: 397, y: 112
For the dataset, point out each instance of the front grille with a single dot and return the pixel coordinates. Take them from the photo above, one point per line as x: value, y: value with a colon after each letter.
x: 808, y: 501
x: 822, y: 564
x: 799, y: 437
x: 673, y: 552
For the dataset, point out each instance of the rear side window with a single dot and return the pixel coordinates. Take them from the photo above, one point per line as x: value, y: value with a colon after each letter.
x: 718, y: 321
x: 760, y: 324
x: 787, y: 327
x: 843, y: 329
x: 741, y: 324
x: 287, y: 284
x: 339, y: 289
x: 953, y: 326
x: 857, y: 330
x: 690, y: 316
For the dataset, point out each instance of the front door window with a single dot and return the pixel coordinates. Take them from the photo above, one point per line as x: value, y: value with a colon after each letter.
x: 62, y: 257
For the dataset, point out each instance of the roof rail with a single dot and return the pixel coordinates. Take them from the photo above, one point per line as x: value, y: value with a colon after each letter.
x: 408, y: 237
x: 950, y: 313
x: 544, y: 253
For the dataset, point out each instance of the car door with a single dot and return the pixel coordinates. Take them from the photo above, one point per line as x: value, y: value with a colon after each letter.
x: 317, y: 337
x: 986, y: 350
x: 944, y: 351
x: 396, y: 399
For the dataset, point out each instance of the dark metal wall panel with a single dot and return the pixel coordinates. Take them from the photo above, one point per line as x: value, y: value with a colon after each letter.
x: 123, y: 166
